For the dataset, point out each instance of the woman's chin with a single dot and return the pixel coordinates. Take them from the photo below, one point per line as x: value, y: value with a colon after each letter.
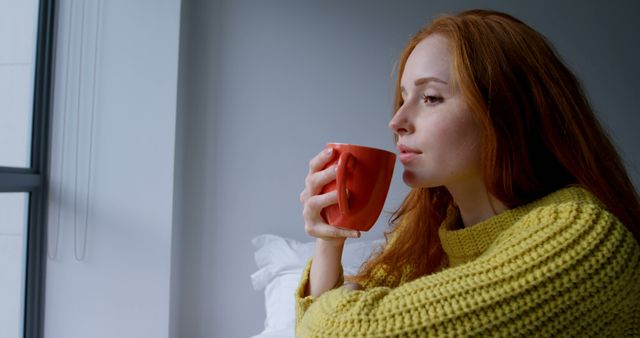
x: 411, y: 179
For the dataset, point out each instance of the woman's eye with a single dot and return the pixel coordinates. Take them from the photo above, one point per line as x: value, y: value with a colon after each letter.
x: 431, y: 99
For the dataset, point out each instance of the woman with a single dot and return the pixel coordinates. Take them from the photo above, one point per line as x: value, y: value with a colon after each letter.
x: 521, y: 220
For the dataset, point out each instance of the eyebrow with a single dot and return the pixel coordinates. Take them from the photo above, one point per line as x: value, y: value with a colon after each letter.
x: 424, y: 80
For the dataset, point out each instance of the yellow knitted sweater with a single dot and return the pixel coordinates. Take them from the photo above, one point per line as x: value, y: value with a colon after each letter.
x: 559, y: 266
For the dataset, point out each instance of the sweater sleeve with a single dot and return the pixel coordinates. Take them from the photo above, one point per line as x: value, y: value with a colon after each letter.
x: 569, y: 268
x: 303, y: 301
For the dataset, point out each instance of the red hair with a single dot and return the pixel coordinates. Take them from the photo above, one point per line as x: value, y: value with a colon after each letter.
x: 539, y: 135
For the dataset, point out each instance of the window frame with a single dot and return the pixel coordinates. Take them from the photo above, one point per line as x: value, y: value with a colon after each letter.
x: 34, y: 179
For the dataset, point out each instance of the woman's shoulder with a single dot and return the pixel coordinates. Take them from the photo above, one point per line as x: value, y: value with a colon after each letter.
x: 566, y: 222
x: 570, y: 207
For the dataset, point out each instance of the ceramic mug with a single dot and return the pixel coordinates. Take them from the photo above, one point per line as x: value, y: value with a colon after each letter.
x: 362, y: 181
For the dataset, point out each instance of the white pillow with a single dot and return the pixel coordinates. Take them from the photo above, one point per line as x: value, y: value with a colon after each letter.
x: 280, y: 263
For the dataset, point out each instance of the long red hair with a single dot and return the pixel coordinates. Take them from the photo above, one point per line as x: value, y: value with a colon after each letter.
x: 539, y: 135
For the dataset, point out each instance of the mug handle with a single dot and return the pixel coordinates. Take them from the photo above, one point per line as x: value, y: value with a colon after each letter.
x: 343, y: 198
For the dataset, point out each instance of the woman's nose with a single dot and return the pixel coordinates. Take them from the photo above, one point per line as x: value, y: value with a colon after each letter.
x: 399, y: 124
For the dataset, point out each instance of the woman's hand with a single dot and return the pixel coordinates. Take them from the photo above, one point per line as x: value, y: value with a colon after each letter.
x: 325, y: 270
x: 313, y: 202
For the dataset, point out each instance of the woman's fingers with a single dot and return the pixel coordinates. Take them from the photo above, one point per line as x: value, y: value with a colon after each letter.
x: 318, y: 177
x: 314, y: 223
x: 317, y: 180
x: 322, y: 230
x: 320, y: 160
x: 314, y: 204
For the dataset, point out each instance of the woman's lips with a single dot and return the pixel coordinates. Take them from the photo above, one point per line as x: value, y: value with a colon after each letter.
x: 407, y: 154
x: 407, y: 157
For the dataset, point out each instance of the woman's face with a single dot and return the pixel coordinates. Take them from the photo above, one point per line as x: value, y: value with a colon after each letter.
x: 438, y: 138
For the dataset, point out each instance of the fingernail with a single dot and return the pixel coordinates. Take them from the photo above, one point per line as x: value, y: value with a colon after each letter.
x: 329, y: 151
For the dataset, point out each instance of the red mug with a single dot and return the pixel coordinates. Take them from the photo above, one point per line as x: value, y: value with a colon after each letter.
x: 362, y: 181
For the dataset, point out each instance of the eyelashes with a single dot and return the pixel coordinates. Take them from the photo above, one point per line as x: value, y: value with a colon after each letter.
x: 427, y: 99
x: 431, y: 99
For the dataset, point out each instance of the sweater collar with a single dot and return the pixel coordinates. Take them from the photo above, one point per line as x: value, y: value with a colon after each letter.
x: 463, y: 245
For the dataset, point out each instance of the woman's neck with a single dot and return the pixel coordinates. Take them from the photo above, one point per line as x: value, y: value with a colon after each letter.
x: 475, y: 203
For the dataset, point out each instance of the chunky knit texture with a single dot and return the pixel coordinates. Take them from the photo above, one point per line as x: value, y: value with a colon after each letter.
x: 559, y: 266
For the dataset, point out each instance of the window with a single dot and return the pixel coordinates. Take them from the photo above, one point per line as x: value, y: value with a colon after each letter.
x: 26, y: 45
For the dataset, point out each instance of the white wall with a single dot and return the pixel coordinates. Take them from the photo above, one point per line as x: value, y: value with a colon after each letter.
x: 122, y: 286
x: 264, y: 84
